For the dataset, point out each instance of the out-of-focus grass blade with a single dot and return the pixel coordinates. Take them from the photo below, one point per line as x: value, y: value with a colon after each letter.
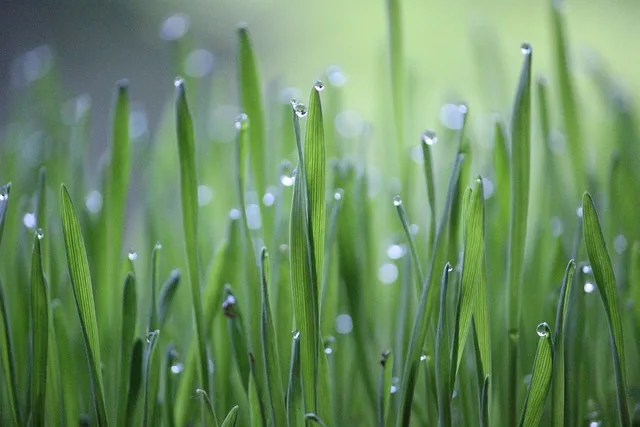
x: 429, y: 138
x: 210, y: 416
x: 189, y: 199
x: 39, y: 333
x: 484, y: 403
x: 501, y: 169
x: 519, y: 173
x: 258, y: 418
x: 606, y: 282
x: 444, y: 360
x: 55, y: 399
x: 567, y: 96
x: 315, y: 418
x: 167, y: 293
x: 8, y: 366
x: 41, y: 218
x: 169, y: 387
x: 294, y: 401
x: 135, y: 381
x: 5, y: 192
x: 69, y: 390
x: 232, y: 418
x: 396, y: 59
x: 558, y: 390
x: 238, y: 335
x: 155, y: 267
x: 83, y: 294
x: 384, y: 388
x: 148, y: 397
x: 270, y: 350
x: 540, y: 379
x: 129, y: 316
x: 251, y: 104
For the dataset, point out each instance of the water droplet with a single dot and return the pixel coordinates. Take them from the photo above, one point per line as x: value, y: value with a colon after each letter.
x: 488, y: 188
x: 300, y: 109
x: 344, y: 324
x: 3, y: 196
x: 29, y: 220
x: 178, y: 82
x: 198, y: 63
x: 451, y: 116
x: 318, y: 85
x: 429, y: 137
x: 295, y: 334
x: 132, y: 255
x: 241, y: 122
x: 158, y: 246
x: 174, y: 27
x: 543, y: 329
x: 338, y: 194
x: 151, y: 335
x: 40, y: 233
x: 395, y: 381
x: 449, y: 268
x: 228, y: 306
x: 336, y: 76
x: 268, y: 199
x: 579, y: 211
x: 397, y: 200
x: 388, y: 273
x: 234, y: 214
x: 176, y: 368
x: 525, y: 48
x: 413, y: 229
x: 556, y: 226
x: 423, y: 358
x: 586, y: 269
x: 254, y: 220
x: 93, y: 201
x: 620, y: 243
x: 395, y: 251
x: 328, y: 342
x: 589, y: 287
x: 328, y: 351
x: 416, y: 155
x: 205, y: 195
x: 287, y: 180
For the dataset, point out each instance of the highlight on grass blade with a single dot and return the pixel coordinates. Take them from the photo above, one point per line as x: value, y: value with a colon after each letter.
x: 606, y: 282
x: 83, y: 293
x: 540, y: 379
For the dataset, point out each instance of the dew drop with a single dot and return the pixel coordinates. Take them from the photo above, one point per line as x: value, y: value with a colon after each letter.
x: 589, y: 287
x: 413, y: 229
x: 234, y: 214
x: 254, y: 219
x: 488, y: 188
x: 449, y: 268
x: 318, y: 85
x: 429, y: 137
x: 525, y: 48
x: 205, y: 195
x: 158, y: 246
x: 620, y: 244
x: 336, y: 76
x: 40, y: 233
x: 543, y: 329
x: 394, y: 385
x: 3, y: 196
x: 344, y: 324
x: 176, y: 368
x: 241, y: 122
x: 579, y: 211
x: 174, y: 27
x: 132, y: 255
x: 388, y: 273
x: 93, y: 202
x: 228, y: 306
x: 29, y: 220
x: 295, y: 334
x: 287, y: 180
x: 397, y: 200
x: 178, y: 82
x: 587, y: 269
x: 423, y: 358
x: 300, y: 109
x: 395, y: 251
x: 268, y: 199
x: 338, y: 194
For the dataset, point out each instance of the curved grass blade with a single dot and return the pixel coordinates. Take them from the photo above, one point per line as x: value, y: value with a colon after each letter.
x: 209, y: 413
x: 39, y: 333
x: 135, y: 381
x: 251, y: 104
x: 270, y: 350
x: 402, y: 214
x: 148, y: 397
x: 384, y: 389
x: 294, y: 401
x: 558, y: 390
x: 443, y: 356
x: 540, y: 379
x: 82, y: 291
x: 232, y: 418
x: 189, y: 199
x: 606, y: 282
x: 165, y: 299
x: 519, y: 173
x: 129, y: 315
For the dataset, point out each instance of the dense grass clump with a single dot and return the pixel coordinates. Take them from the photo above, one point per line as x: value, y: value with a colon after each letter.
x: 466, y: 286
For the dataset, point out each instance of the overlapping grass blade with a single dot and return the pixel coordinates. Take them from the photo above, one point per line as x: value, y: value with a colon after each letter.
x: 540, y: 379
x: 251, y: 104
x: 558, y: 390
x: 294, y: 401
x: 258, y: 417
x: 444, y: 359
x: 135, y: 381
x: 83, y: 294
x: 148, y: 397
x: 129, y: 318
x: 484, y: 403
x: 519, y: 173
x: 189, y: 202
x: 270, y: 350
x: 39, y: 333
x: 69, y: 391
x: 384, y: 388
x: 606, y: 282
x: 232, y: 418
x: 167, y: 294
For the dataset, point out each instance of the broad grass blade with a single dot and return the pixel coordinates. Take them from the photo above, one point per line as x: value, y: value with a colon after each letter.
x: 167, y: 294
x: 135, y: 381
x: 294, y: 401
x: 232, y: 418
x: 148, y: 397
x: 540, y: 379
x: 129, y: 319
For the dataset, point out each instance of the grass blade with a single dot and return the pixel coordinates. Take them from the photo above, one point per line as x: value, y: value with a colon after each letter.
x: 83, y: 294
x: 270, y: 350
x: 428, y: 139
x: 135, y: 382
x: 606, y: 282
x: 155, y: 267
x: 189, y: 200
x: 5, y: 192
x: 258, y: 418
x: 232, y: 418
x: 167, y: 294
x: 443, y: 355
x: 239, y: 338
x: 484, y: 403
x: 148, y: 397
x: 396, y: 59
x: 129, y: 315
x: 295, y: 403
x: 558, y: 390
x: 39, y: 333
x: 519, y: 173
x: 171, y: 359
x: 540, y: 379
x: 384, y: 389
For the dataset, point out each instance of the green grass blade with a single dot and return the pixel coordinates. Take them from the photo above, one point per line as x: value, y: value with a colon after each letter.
x: 396, y: 59
x: 558, y: 390
x: 540, y: 379
x: 39, y: 333
x: 189, y: 200
x: 232, y: 418
x: 41, y: 217
x: 5, y: 192
x: 155, y: 267
x: 135, y: 382
x: 606, y: 282
x: 315, y: 418
x: 83, y: 294
x: 169, y: 387
x: 384, y: 389
x: 443, y: 355
x: 484, y: 403
x: 294, y: 401
x: 270, y: 350
x: 167, y: 294
x: 129, y: 316
x: 148, y: 397
x: 6, y: 352
x: 428, y: 139
x: 55, y: 397
x: 519, y: 173
x: 251, y: 104
x: 238, y: 335
x: 258, y: 418
x: 415, y: 257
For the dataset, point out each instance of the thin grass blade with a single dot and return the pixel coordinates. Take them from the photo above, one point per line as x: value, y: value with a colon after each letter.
x: 540, y: 379
x: 166, y: 297
x: 294, y: 401
x: 444, y: 360
x: 148, y: 397
x: 135, y: 381
x: 384, y: 389
x: 129, y: 318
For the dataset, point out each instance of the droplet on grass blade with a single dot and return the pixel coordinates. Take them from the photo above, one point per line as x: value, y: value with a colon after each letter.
x: 543, y: 329
x: 269, y: 198
x: 579, y: 211
x: 132, y: 255
x: 396, y: 251
x: 300, y: 109
x: 586, y: 269
x: 40, y: 233
x: 29, y: 220
x: 177, y: 367
x: 397, y: 200
x: 525, y: 48
x: 234, y: 214
x: 241, y: 122
x: 339, y: 193
x: 318, y: 85
x: 589, y: 287
x: 429, y: 137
